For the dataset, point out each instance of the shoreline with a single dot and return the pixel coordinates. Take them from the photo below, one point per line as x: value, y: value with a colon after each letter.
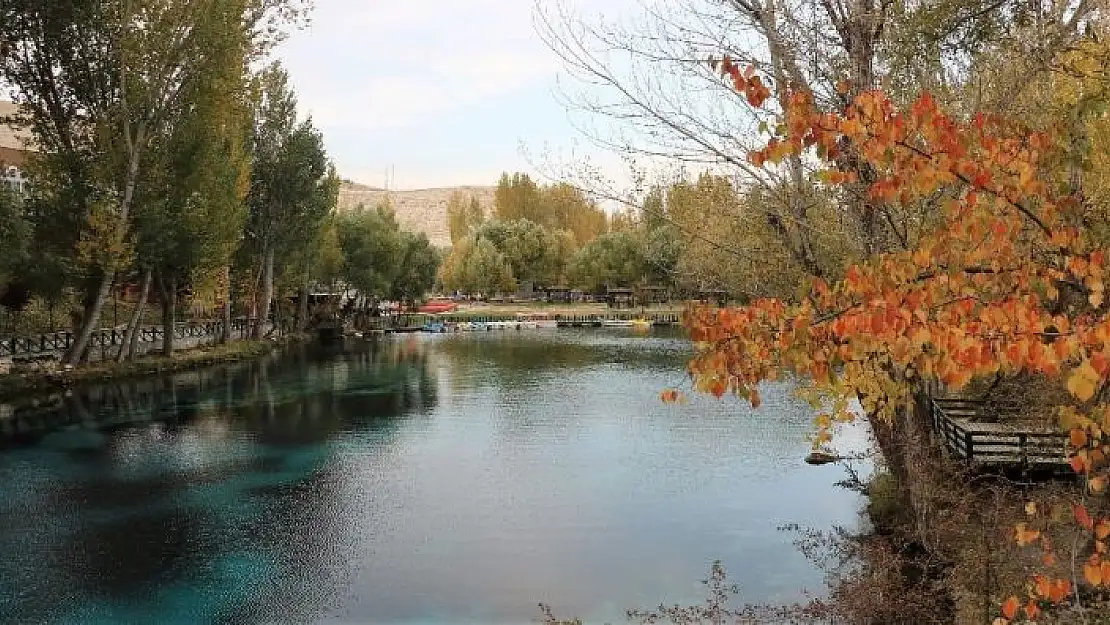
x: 15, y: 386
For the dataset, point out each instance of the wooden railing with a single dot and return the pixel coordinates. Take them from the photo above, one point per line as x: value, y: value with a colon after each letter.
x: 959, y: 424
x: 57, y: 342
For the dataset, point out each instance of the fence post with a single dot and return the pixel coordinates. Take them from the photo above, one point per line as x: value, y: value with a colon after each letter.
x: 969, y: 446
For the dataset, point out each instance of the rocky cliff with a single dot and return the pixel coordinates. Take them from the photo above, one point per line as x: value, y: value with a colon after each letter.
x: 419, y: 210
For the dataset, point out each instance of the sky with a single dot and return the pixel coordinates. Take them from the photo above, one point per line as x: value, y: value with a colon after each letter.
x: 440, y: 92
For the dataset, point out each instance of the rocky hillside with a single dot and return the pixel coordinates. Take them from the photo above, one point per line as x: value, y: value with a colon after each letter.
x: 420, y: 210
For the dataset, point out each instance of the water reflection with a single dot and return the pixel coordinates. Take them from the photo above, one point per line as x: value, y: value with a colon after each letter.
x: 422, y: 479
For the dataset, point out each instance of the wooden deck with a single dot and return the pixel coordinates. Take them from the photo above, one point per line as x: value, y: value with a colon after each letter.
x: 960, y: 425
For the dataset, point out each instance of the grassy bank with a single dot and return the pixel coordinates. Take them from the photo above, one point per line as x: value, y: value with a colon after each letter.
x: 17, y: 384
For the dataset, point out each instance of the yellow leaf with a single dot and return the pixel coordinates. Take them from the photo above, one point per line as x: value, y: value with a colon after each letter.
x: 1102, y: 530
x: 1031, y: 508
x: 1025, y: 536
x: 1082, y: 381
x: 1097, y: 484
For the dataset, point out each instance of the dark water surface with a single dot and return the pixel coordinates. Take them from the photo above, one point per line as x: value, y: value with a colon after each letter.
x: 426, y: 479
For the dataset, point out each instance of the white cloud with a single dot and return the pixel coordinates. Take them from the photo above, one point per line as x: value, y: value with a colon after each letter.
x: 369, y: 66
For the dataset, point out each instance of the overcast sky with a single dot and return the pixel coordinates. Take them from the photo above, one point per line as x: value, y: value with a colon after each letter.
x: 445, y: 91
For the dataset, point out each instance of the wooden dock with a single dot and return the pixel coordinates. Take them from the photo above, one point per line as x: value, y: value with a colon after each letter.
x: 967, y: 436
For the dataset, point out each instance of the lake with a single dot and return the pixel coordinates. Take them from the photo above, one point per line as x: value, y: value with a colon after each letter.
x: 417, y: 479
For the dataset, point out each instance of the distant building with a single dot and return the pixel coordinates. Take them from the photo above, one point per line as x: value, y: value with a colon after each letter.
x: 15, y: 147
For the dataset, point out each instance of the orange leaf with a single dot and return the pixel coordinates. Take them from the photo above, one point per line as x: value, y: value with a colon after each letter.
x: 1093, y: 574
x: 1010, y: 608
x: 1061, y: 588
x: 1078, y: 437
x: 1078, y: 464
x: 1031, y: 610
x: 1083, y: 517
x: 1102, y: 530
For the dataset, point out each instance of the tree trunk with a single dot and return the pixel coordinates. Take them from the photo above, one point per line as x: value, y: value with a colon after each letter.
x: 302, y: 307
x: 169, y: 313
x: 225, y: 311
x: 92, y: 319
x: 131, y: 335
x: 267, y: 291
x: 225, y: 335
x: 89, y: 322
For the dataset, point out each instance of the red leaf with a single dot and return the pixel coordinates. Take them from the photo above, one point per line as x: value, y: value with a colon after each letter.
x: 1083, y: 517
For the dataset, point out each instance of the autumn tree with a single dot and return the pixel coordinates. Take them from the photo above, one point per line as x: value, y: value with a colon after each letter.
x: 517, y: 196
x: 565, y: 207
x: 464, y: 214
x: 1008, y: 281
x: 654, y: 100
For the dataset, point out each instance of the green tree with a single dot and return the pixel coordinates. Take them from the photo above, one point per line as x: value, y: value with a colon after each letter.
x: 293, y: 185
x: 475, y: 266
x: 532, y: 251
x: 98, y: 82
x: 486, y: 270
x: 662, y: 251
x: 416, y: 273
x: 15, y: 232
x: 372, y: 250
x: 611, y: 260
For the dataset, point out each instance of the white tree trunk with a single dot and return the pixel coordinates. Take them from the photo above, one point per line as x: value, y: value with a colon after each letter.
x: 267, y: 291
x: 131, y: 336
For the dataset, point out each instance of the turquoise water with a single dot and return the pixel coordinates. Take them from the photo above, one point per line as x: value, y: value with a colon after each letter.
x: 422, y: 479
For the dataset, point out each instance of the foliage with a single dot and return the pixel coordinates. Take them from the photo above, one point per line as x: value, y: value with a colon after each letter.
x: 464, y: 214
x: 381, y: 260
x: 560, y: 206
x: 372, y: 250
x: 105, y: 88
x: 612, y: 260
x: 1008, y: 281
x: 416, y: 273
x: 15, y: 232
x: 477, y: 266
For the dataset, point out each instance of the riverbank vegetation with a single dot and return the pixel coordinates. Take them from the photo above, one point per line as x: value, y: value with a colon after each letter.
x: 170, y: 166
x: 923, y: 207
x: 30, y: 380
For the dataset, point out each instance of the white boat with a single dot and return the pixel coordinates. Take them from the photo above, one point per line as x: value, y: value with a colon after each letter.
x: 537, y: 320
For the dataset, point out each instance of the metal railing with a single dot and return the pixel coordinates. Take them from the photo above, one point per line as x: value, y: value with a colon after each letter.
x: 58, y: 342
